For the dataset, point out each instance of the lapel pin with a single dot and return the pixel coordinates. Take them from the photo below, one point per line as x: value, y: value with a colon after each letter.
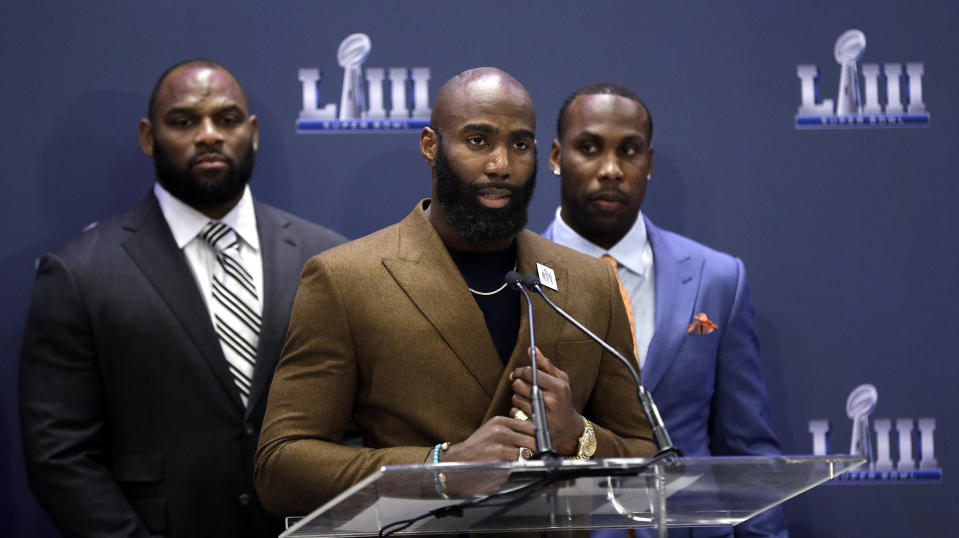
x: 701, y: 325
x: 547, y: 276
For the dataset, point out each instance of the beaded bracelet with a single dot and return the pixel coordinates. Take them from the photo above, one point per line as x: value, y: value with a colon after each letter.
x: 439, y: 479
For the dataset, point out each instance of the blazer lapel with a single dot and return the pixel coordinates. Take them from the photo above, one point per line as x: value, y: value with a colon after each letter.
x: 152, y: 248
x: 547, y: 324
x: 677, y: 282
x: 424, y: 270
x: 280, y: 252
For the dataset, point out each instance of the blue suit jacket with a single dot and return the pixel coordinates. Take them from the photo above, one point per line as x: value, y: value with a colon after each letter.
x: 709, y: 387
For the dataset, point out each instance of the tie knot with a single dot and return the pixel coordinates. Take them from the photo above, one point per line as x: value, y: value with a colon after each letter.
x: 218, y: 235
x: 610, y: 260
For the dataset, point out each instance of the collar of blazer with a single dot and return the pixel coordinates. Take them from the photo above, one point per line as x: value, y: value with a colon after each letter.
x: 151, y: 246
x: 678, y: 274
x: 422, y: 266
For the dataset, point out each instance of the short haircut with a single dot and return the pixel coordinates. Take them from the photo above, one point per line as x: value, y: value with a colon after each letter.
x: 200, y: 62
x: 600, y: 88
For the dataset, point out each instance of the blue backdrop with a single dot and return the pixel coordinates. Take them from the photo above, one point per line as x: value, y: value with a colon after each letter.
x: 848, y: 234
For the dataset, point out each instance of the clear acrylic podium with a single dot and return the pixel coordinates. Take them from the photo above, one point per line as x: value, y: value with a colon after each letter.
x: 530, y: 496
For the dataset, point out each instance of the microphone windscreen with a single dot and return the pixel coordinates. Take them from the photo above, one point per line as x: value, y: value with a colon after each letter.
x: 513, y: 279
x: 530, y: 281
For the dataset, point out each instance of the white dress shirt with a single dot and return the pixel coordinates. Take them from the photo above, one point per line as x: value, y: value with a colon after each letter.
x: 185, y: 223
x: 634, y: 255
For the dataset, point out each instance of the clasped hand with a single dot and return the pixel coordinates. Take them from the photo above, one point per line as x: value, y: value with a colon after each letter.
x: 501, y: 438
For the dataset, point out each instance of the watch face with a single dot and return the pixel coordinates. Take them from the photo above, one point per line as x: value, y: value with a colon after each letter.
x: 589, y: 445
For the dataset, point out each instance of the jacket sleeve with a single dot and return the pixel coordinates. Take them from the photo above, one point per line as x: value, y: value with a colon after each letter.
x: 63, y: 414
x: 300, y: 463
x: 740, y: 421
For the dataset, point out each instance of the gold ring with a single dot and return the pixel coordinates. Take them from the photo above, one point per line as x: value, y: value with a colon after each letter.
x: 520, y: 415
x: 524, y: 453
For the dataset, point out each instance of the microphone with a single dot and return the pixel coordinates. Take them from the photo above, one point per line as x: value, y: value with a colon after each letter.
x: 544, y: 446
x: 660, y: 434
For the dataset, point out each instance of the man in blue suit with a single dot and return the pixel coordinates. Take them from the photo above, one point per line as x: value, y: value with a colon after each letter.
x: 692, y: 315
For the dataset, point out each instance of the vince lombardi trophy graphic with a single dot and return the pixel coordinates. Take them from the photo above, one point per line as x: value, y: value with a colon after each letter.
x: 859, y: 405
x: 849, y: 48
x: 352, y: 53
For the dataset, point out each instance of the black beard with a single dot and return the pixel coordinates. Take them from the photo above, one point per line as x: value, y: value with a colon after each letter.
x: 585, y: 223
x: 203, y: 191
x: 472, y: 220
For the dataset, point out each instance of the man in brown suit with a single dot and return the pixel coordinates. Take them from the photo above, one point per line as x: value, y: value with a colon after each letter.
x: 412, y: 333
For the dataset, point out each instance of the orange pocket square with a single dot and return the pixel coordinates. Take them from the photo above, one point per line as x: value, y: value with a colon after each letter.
x: 701, y: 325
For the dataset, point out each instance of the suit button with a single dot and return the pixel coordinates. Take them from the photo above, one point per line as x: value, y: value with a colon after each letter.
x: 243, y: 499
x: 249, y: 429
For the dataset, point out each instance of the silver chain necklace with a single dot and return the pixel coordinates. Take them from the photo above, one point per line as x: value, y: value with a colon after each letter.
x: 494, y: 292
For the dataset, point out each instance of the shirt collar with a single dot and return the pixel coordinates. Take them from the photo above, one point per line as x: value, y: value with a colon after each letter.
x: 186, y: 222
x: 628, y: 251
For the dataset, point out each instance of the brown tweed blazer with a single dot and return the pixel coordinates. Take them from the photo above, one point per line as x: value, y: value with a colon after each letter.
x: 385, y: 331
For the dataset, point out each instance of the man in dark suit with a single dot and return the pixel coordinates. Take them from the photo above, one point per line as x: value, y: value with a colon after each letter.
x: 152, y: 337
x: 693, y: 319
x: 412, y: 332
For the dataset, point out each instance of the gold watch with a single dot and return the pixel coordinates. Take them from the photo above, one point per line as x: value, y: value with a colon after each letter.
x: 586, y: 445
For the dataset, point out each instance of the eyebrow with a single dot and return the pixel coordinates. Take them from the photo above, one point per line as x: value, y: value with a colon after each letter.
x: 522, y: 133
x: 490, y: 130
x: 479, y: 127
x: 589, y: 134
x: 191, y: 110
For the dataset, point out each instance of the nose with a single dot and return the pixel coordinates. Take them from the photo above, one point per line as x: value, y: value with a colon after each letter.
x: 498, y: 165
x: 610, y: 168
x: 208, y: 133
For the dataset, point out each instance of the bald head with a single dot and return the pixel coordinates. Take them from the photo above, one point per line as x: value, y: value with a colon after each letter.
x: 479, y: 86
x: 481, y: 145
x: 199, y: 63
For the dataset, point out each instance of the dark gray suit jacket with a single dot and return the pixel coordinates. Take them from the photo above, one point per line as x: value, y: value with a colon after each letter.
x: 131, y: 423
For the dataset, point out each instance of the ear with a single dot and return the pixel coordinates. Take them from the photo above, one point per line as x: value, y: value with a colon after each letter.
x: 255, y: 125
x: 428, y: 145
x: 651, y: 160
x: 146, y: 137
x: 555, y: 155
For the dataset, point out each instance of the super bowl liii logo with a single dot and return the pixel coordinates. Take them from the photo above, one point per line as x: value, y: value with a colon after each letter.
x: 914, y: 459
x: 365, y: 107
x: 855, y: 107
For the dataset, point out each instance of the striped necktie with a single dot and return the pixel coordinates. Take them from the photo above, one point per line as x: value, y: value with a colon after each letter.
x: 236, y: 308
x: 626, y: 302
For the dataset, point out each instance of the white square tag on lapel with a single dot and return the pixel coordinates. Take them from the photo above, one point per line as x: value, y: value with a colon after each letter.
x: 546, y: 276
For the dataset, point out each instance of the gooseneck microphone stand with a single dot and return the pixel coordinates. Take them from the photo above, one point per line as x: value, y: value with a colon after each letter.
x: 663, y: 442
x: 544, y: 446
x: 509, y: 496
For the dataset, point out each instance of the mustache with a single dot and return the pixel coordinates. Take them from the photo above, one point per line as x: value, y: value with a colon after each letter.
x: 504, y: 185
x: 210, y: 151
x: 606, y: 190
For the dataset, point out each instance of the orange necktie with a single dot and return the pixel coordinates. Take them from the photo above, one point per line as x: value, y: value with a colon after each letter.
x: 626, y: 302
